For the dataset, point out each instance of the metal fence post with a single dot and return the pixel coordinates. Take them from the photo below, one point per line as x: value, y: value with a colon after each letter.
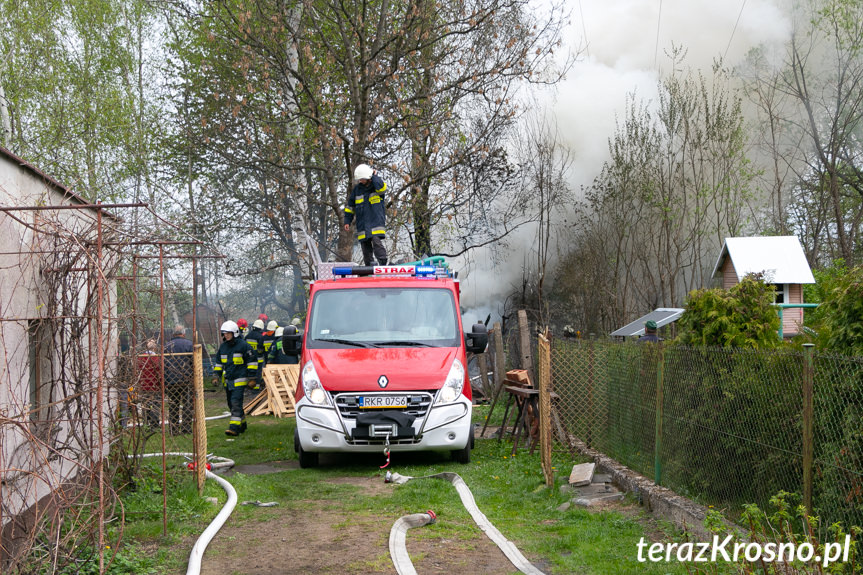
x: 588, y: 435
x: 657, y: 443
x: 808, y: 435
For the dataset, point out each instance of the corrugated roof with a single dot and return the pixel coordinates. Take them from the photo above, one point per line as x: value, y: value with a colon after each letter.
x: 780, y: 258
x: 662, y: 316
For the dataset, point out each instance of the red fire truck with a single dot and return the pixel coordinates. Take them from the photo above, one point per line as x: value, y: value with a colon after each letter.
x: 383, y: 364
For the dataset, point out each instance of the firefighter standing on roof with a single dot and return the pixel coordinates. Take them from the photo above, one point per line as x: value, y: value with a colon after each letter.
x: 237, y: 364
x: 366, y: 202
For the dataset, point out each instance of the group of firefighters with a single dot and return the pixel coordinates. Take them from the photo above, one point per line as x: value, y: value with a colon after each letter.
x: 244, y: 353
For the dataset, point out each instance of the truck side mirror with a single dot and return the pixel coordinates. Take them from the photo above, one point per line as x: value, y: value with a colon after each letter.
x: 477, y: 340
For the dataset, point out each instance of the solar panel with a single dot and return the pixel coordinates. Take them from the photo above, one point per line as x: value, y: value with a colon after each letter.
x: 662, y: 316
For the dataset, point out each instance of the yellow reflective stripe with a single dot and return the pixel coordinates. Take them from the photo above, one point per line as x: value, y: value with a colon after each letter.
x: 349, y: 210
x: 374, y: 199
x: 252, y: 366
x: 235, y: 422
x: 382, y: 189
x: 240, y: 382
x: 377, y: 231
x: 254, y: 344
x: 361, y: 236
x: 223, y: 358
x: 238, y: 359
x: 359, y: 200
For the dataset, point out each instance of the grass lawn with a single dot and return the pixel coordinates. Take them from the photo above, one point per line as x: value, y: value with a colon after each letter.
x: 509, y: 490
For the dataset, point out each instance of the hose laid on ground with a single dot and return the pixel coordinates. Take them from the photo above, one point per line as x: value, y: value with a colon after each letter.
x: 509, y: 549
x: 223, y: 416
x: 200, y: 546
x: 398, y: 534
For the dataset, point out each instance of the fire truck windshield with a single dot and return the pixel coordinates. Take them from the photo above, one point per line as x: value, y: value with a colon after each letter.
x: 383, y: 317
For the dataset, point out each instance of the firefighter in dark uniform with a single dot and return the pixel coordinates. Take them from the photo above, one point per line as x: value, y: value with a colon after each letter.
x: 255, y: 338
x: 366, y: 203
x: 237, y: 364
x: 269, y: 338
x: 286, y: 349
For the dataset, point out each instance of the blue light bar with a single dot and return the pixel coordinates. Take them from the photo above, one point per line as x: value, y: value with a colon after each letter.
x: 398, y: 270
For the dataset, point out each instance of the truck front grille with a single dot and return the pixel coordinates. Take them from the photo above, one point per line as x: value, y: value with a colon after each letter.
x: 418, y: 403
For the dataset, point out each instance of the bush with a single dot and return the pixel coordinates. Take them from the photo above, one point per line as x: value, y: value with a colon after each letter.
x: 742, y: 316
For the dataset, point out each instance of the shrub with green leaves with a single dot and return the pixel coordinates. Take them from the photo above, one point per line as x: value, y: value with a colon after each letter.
x: 742, y: 316
x: 842, y: 313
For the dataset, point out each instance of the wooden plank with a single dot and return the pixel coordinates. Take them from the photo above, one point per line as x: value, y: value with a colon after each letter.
x: 582, y: 474
x: 524, y: 342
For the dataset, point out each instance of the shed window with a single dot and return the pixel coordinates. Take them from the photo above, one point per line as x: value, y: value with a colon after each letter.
x: 780, y: 293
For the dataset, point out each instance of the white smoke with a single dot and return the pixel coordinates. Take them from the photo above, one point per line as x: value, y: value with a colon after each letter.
x: 627, y: 44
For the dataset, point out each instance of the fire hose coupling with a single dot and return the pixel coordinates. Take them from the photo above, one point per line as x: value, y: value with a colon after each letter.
x: 431, y: 514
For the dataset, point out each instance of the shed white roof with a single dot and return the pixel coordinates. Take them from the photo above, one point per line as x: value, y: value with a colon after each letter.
x: 780, y: 258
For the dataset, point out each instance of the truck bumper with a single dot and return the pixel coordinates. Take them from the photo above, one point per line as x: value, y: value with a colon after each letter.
x: 444, y: 428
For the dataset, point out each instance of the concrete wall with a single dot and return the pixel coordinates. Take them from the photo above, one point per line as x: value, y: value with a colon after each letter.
x: 31, y: 467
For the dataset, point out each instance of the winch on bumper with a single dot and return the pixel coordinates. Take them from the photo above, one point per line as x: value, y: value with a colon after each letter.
x: 343, y: 426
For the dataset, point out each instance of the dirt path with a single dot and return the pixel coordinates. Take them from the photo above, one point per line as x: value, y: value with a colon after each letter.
x: 321, y: 539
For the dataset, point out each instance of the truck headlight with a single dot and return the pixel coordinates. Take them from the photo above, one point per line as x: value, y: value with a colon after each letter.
x: 453, y: 384
x: 312, y: 386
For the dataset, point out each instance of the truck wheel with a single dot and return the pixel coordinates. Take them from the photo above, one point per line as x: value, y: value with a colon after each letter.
x: 307, y: 459
x: 463, y: 455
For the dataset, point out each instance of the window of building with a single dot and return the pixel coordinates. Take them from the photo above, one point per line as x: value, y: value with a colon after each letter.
x: 40, y: 374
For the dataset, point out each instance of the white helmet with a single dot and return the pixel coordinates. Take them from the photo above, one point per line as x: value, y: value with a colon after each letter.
x: 280, y: 331
x: 363, y: 172
x: 232, y: 327
x: 296, y: 321
x: 272, y: 326
x: 259, y: 323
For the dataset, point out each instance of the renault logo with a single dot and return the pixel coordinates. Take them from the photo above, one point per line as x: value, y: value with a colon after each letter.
x: 383, y: 381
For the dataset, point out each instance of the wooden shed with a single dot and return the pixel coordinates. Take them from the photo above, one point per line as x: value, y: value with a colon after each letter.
x: 782, y: 262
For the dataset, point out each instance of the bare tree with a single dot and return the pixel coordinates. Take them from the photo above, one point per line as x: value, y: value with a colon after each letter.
x: 677, y: 183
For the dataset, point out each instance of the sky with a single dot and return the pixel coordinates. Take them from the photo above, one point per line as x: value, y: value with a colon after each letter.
x: 625, y: 45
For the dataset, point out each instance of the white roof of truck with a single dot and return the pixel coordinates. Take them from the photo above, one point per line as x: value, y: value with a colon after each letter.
x: 780, y: 258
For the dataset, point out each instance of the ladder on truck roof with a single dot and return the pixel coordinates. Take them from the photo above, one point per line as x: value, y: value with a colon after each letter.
x: 324, y: 270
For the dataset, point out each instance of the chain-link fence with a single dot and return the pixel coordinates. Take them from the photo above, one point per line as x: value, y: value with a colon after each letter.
x: 723, y: 427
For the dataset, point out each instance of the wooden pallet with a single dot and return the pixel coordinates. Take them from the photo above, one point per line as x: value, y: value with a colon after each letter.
x: 277, y: 398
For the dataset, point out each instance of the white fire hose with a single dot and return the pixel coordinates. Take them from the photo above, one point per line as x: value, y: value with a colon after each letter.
x: 397, y: 538
x: 200, y: 546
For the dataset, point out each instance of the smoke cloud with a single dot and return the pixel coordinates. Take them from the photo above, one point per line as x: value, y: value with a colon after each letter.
x: 627, y: 42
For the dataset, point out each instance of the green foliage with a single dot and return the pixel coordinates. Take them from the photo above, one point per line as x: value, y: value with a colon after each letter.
x: 731, y: 419
x: 129, y: 560
x: 788, y: 524
x: 827, y: 280
x: 742, y: 316
x: 841, y: 311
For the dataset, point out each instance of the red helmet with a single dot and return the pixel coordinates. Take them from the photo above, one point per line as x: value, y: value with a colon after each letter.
x: 263, y: 317
x: 242, y: 323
